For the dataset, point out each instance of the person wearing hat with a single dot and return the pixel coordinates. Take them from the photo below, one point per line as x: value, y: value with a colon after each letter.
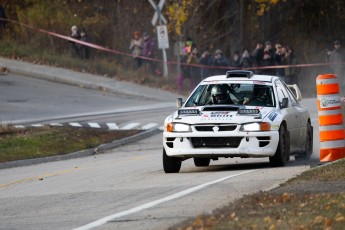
x: 136, y: 47
x: 217, y: 61
x: 74, y: 47
x: 268, y: 59
x: 337, y: 59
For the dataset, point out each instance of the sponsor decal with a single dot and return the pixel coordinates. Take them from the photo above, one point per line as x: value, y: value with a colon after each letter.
x: 216, y: 116
x: 272, y: 116
x: 329, y: 102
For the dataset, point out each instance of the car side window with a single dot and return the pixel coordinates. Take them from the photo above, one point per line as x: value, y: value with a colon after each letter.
x: 197, y: 97
x: 292, y: 97
x: 282, y: 92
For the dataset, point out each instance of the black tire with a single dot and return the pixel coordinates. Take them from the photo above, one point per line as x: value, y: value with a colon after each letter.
x: 308, y: 151
x: 201, y: 162
x: 171, y: 164
x: 287, y: 143
x: 280, y: 156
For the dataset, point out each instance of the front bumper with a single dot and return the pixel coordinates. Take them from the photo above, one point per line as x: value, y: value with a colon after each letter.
x: 221, y: 144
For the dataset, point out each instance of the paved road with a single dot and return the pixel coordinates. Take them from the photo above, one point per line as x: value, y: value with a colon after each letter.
x: 126, y: 188
x: 24, y: 100
x: 128, y: 184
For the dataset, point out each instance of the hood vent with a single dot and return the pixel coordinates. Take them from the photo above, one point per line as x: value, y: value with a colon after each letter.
x: 221, y: 108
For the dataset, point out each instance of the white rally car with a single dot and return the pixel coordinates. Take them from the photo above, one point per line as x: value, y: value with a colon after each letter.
x: 237, y: 115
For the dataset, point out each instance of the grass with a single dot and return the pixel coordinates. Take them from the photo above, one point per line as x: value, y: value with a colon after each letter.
x: 287, y: 207
x: 28, y: 143
x: 108, y: 65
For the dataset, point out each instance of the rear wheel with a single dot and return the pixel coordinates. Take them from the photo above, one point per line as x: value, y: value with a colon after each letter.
x: 280, y: 156
x: 200, y: 162
x: 308, y: 145
x: 171, y: 164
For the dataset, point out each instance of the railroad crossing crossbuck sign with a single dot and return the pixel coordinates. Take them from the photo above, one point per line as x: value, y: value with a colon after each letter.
x: 158, y: 13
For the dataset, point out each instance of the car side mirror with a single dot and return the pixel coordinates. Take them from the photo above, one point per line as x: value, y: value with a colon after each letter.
x: 179, y: 102
x: 284, y: 103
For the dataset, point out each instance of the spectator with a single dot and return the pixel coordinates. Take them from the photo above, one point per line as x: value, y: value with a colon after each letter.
x: 218, y: 60
x: 149, y: 49
x: 246, y: 60
x: 194, y: 71
x: 205, y: 60
x: 258, y: 55
x: 185, y: 70
x: 74, y: 47
x: 337, y: 58
x: 3, y: 21
x: 84, y: 50
x: 280, y: 60
x: 236, y: 60
x: 268, y: 59
x: 291, y: 73
x: 136, y: 47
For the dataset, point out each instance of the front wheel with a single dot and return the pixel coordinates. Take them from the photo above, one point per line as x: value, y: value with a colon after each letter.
x: 201, y: 162
x: 171, y: 164
x: 280, y: 156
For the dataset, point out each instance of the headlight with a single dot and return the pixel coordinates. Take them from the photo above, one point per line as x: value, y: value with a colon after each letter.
x: 256, y: 127
x: 178, y: 127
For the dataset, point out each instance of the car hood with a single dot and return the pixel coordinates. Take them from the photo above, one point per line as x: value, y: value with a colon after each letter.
x: 220, y: 114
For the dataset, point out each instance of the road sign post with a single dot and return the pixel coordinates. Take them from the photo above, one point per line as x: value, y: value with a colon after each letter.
x: 162, y: 32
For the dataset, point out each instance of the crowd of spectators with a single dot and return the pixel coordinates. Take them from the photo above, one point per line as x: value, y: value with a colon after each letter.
x: 264, y: 59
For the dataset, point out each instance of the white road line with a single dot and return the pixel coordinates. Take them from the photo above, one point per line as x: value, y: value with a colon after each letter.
x: 94, y: 125
x: 55, y: 124
x: 37, y: 125
x: 130, y: 126
x: 112, y: 126
x: 161, y: 128
x: 104, y: 220
x: 75, y: 124
x: 149, y: 126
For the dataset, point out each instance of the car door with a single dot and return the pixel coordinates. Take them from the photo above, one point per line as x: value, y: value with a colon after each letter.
x: 290, y: 114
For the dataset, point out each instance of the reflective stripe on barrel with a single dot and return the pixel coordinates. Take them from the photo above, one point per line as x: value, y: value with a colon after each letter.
x: 327, y: 86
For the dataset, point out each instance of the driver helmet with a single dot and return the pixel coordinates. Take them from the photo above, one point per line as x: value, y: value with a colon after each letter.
x: 219, y: 94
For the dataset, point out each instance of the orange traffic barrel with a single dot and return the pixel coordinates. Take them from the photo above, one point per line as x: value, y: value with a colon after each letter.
x: 331, y: 127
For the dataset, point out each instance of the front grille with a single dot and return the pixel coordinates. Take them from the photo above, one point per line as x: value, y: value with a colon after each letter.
x: 209, y: 128
x: 216, y: 142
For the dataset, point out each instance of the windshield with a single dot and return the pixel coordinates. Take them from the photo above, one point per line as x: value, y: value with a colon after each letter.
x: 233, y: 94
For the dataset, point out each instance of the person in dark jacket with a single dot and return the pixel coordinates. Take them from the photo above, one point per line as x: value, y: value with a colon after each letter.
x: 74, y: 47
x: 205, y: 60
x: 149, y: 51
x: 257, y: 56
x: 218, y: 60
x: 3, y: 22
x: 84, y: 50
x: 337, y: 59
x: 268, y: 59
